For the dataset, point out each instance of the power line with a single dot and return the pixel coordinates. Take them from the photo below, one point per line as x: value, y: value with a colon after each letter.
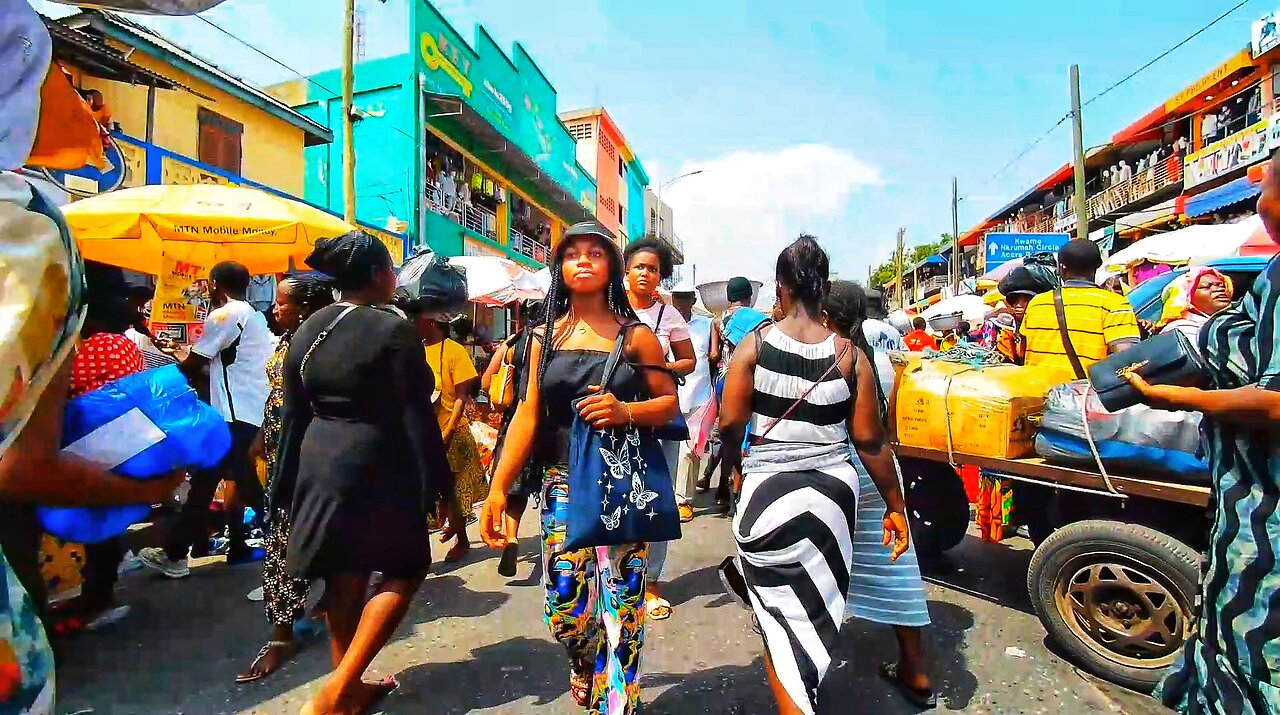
x: 1027, y: 150
x: 1167, y: 52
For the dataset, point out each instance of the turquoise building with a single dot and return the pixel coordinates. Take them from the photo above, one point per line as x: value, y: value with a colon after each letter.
x: 458, y: 145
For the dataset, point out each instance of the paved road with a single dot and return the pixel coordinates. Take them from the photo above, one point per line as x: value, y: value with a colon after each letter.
x: 474, y: 643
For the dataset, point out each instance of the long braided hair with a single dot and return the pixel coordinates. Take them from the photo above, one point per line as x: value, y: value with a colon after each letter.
x: 556, y: 305
x: 846, y: 307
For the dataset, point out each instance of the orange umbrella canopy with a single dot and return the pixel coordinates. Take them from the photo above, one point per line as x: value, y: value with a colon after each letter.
x: 202, y: 224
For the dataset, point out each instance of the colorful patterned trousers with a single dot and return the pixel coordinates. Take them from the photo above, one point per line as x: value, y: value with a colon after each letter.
x: 593, y: 605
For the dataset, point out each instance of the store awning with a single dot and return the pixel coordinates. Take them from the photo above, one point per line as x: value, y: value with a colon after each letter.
x: 1161, y: 213
x: 563, y: 203
x: 1232, y: 192
x: 934, y: 260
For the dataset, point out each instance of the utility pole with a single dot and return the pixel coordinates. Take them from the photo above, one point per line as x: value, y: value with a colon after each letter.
x: 1077, y: 131
x: 955, y: 237
x: 902, y: 232
x: 348, y: 120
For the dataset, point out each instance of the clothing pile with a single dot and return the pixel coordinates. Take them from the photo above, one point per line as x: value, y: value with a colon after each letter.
x: 1139, y: 438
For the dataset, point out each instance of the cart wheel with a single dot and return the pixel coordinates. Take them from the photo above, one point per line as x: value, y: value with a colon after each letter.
x: 937, y: 505
x: 1117, y: 597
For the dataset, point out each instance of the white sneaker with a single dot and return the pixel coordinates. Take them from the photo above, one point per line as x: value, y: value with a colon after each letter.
x: 256, y: 595
x: 155, y: 558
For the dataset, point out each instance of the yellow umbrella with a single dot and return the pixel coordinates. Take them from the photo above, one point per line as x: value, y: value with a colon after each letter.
x: 201, y: 224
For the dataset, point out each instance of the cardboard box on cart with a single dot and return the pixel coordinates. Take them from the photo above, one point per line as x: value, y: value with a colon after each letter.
x: 988, y: 411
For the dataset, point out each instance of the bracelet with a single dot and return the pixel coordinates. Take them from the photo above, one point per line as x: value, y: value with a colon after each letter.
x: 630, y: 418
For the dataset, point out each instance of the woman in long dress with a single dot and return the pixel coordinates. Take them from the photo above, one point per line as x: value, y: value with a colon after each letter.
x: 1229, y: 665
x: 594, y: 596
x: 882, y: 589
x: 803, y: 394
x: 360, y: 461
x: 285, y: 598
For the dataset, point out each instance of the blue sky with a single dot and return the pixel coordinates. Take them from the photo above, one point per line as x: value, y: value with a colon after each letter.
x: 845, y: 119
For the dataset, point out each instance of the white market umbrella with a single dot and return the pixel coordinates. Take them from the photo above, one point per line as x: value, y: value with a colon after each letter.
x: 1193, y: 244
x: 972, y: 308
x: 497, y: 281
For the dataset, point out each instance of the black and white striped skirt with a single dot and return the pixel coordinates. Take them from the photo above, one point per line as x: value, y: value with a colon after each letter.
x: 794, y: 532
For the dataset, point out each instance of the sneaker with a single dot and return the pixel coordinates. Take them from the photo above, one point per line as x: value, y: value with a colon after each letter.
x: 256, y: 595
x: 107, y: 618
x: 156, y: 559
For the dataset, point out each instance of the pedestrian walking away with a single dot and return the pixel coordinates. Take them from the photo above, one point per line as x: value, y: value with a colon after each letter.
x: 882, y: 589
x: 802, y: 393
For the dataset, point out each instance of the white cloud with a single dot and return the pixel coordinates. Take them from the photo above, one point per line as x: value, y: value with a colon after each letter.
x: 747, y: 206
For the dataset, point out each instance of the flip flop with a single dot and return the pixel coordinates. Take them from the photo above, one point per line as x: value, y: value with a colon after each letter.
x: 658, y: 608
x: 387, y: 686
x: 580, y: 689
x: 254, y: 674
x: 920, y: 697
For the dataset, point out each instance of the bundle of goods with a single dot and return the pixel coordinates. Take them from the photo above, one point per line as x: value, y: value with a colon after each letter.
x: 1138, y: 438
x: 142, y: 426
x: 960, y: 408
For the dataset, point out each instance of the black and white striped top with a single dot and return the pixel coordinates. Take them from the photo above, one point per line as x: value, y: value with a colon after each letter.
x: 785, y: 369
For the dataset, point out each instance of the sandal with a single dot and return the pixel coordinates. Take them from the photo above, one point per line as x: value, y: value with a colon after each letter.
x: 580, y: 689
x: 254, y: 673
x: 658, y: 608
x: 920, y: 697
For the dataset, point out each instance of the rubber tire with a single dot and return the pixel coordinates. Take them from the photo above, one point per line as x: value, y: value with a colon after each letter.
x: 1173, y: 560
x: 937, y: 506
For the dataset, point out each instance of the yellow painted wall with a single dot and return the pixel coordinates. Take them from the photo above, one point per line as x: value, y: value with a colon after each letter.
x: 271, y: 148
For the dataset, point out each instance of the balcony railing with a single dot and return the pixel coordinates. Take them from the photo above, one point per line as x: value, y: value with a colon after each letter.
x: 528, y: 247
x: 1058, y: 218
x: 935, y: 283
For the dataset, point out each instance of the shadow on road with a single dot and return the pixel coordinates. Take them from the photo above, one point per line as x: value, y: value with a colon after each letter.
x: 852, y: 686
x: 702, y: 582
x: 996, y: 573
x: 493, y: 676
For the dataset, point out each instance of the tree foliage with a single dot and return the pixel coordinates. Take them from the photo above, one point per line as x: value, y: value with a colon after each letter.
x: 886, y: 271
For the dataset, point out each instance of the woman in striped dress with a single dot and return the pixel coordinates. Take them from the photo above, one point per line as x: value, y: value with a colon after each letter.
x: 803, y: 394
x: 882, y: 589
x: 1231, y: 664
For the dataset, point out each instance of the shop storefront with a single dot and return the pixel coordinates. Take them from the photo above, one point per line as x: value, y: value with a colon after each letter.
x: 460, y: 140
x: 495, y: 162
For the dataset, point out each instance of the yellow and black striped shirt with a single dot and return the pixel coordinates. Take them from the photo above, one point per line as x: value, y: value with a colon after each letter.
x: 1096, y: 318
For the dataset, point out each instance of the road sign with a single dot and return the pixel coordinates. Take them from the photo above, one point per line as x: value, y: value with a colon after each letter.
x: 1002, y: 247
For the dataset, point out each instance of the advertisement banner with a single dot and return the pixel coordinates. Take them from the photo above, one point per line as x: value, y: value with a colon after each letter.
x: 1238, y: 150
x: 1004, y: 247
x: 1265, y: 35
x: 182, y: 292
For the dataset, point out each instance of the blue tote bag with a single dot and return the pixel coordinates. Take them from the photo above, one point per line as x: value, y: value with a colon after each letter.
x: 620, y: 485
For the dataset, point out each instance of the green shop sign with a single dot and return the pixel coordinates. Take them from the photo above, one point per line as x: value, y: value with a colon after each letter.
x: 513, y: 96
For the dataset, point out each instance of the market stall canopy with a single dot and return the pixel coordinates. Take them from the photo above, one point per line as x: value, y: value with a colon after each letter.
x: 497, y: 281
x: 1193, y: 244
x: 972, y: 308
x: 200, y: 224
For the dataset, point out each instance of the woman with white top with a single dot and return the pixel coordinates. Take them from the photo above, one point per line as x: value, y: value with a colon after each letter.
x: 648, y: 261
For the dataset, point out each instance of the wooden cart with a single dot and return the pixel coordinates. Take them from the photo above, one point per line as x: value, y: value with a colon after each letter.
x: 1115, y: 571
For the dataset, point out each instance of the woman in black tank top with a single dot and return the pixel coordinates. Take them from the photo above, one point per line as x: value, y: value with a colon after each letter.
x: 586, y: 311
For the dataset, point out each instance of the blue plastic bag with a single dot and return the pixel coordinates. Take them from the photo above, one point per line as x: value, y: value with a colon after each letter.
x: 141, y: 426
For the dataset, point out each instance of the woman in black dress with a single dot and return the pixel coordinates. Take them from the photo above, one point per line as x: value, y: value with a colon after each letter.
x: 361, y: 462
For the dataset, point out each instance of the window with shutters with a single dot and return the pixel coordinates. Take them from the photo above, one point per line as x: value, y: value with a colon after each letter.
x: 220, y: 141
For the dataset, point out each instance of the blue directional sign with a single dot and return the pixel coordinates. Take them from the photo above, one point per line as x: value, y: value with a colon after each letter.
x: 1002, y: 247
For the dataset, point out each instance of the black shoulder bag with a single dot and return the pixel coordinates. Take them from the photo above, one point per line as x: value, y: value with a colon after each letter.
x: 1066, y: 335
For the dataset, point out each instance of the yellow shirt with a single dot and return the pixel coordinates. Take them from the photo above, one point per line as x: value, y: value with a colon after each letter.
x: 1096, y: 318
x: 451, y: 364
